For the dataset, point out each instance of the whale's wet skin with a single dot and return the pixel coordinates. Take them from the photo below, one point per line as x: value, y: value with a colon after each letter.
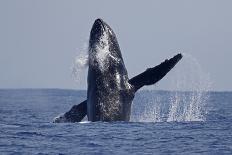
x: 110, y: 92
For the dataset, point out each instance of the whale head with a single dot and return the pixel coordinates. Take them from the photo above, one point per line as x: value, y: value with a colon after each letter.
x: 103, y: 46
x: 101, y: 32
x: 108, y: 93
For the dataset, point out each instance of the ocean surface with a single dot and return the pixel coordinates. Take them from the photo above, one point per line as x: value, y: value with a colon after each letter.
x: 162, y: 122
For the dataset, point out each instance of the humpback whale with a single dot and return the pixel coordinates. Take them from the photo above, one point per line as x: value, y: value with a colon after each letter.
x: 110, y: 92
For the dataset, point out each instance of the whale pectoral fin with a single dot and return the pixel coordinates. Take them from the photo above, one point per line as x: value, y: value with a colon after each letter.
x: 75, y: 114
x: 153, y: 75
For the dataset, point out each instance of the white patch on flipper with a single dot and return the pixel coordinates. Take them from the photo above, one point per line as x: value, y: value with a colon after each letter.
x: 60, y: 119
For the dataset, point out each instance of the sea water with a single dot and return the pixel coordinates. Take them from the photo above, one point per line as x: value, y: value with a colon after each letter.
x: 189, y: 119
x: 26, y: 128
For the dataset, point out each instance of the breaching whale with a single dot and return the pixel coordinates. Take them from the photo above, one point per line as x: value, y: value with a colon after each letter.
x: 110, y: 92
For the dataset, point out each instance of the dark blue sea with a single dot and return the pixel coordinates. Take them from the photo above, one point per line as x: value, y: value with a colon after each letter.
x: 162, y: 122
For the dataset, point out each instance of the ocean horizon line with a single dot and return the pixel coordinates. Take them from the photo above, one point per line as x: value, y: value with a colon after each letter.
x: 72, y: 89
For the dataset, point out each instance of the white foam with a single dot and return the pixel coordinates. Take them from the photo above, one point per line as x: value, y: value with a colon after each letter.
x: 84, y: 122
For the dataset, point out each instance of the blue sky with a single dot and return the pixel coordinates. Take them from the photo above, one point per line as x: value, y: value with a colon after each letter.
x: 40, y: 39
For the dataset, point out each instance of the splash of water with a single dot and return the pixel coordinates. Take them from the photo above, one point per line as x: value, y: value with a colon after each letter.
x: 80, y: 64
x: 150, y: 112
x: 187, y: 101
x: 84, y: 57
x: 190, y: 105
x: 99, y: 55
